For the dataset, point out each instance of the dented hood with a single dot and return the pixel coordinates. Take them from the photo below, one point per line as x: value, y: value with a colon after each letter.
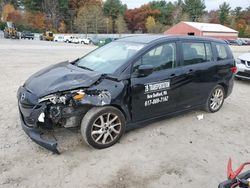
x: 60, y: 77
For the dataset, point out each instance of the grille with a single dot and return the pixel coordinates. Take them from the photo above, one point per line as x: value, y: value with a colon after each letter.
x: 248, y: 63
x: 243, y: 62
x: 246, y: 74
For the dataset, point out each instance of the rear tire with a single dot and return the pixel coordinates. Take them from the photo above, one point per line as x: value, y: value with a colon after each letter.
x: 102, y: 127
x: 215, y: 100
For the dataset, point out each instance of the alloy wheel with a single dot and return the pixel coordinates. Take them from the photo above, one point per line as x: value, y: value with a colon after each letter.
x: 106, y: 128
x: 216, y: 99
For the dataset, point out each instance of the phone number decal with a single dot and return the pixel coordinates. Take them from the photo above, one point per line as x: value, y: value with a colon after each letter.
x: 156, y: 92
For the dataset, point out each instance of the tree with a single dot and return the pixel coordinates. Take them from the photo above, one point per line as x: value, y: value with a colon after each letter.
x: 237, y: 12
x: 112, y: 9
x: 194, y: 8
x: 121, y: 25
x: 224, y: 13
x: 214, y: 16
x: 166, y: 10
x: 136, y: 18
x: 150, y: 24
x: 86, y: 22
x: 7, y: 9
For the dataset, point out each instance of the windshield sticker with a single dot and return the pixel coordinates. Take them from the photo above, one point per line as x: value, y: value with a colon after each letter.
x: 156, y: 92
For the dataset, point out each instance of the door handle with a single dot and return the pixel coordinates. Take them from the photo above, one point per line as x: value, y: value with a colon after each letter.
x: 190, y: 71
x: 172, y: 75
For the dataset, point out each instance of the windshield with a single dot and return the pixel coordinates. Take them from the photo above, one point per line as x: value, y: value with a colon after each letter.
x: 110, y: 57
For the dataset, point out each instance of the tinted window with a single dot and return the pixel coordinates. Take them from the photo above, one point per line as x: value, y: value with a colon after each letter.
x: 222, y: 52
x: 194, y: 53
x: 209, y: 52
x: 161, y: 57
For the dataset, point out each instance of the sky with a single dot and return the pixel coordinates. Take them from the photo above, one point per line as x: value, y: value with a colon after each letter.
x: 210, y: 4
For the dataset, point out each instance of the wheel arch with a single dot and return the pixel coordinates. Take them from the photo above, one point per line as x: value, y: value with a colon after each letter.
x: 225, y: 88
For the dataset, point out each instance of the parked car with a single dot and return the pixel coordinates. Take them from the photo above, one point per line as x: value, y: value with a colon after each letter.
x: 27, y: 35
x: 104, y: 41
x: 83, y: 40
x: 125, y: 84
x: 234, y: 42
x: 75, y: 40
x: 59, y: 38
x: 68, y: 38
x: 243, y: 66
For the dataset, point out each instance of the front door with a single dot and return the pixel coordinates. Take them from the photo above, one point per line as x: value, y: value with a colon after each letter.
x: 155, y: 94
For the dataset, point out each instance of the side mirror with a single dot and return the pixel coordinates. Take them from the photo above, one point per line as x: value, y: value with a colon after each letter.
x: 145, y: 70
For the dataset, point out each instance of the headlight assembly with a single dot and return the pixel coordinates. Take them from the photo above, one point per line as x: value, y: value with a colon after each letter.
x: 56, y: 98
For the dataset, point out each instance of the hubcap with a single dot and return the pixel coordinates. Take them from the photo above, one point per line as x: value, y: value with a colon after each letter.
x: 216, y: 99
x: 106, y: 128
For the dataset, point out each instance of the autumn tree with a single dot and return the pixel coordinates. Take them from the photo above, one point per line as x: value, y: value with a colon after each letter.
x: 194, y: 8
x: 121, y: 26
x: 213, y: 16
x: 224, y: 13
x: 7, y: 9
x: 112, y: 9
x: 89, y: 23
x: 136, y: 18
x: 150, y: 24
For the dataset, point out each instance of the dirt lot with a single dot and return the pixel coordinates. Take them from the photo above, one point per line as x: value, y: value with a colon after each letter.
x: 177, y: 152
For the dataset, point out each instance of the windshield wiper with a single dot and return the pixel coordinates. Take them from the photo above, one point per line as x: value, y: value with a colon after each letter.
x: 86, y: 68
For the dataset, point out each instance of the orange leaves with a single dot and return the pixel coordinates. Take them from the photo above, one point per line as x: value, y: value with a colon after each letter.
x: 7, y: 10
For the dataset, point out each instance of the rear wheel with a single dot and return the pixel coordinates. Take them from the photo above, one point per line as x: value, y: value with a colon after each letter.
x: 102, y: 127
x: 215, y: 99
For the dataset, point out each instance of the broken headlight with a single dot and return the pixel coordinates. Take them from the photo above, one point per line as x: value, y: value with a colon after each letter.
x: 56, y: 98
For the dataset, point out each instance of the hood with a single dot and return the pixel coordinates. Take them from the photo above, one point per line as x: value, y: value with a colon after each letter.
x: 245, y: 57
x: 60, y: 77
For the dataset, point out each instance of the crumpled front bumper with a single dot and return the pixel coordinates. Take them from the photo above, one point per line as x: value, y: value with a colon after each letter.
x: 35, y: 133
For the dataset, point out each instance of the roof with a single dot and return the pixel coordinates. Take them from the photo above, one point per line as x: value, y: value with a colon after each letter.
x: 142, y: 38
x: 146, y: 39
x: 210, y: 27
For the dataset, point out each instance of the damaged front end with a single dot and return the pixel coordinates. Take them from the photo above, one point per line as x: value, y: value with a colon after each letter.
x: 65, y: 109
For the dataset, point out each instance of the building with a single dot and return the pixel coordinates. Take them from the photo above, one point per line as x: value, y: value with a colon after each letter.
x: 203, y: 29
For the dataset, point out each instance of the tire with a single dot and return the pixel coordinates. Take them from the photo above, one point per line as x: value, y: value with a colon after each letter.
x: 215, y: 100
x: 105, y: 134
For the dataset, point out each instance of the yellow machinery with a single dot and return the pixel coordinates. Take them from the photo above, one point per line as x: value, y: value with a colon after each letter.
x: 10, y: 31
x: 48, y: 36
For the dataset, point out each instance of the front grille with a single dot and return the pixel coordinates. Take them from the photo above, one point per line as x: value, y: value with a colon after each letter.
x: 245, y: 74
x: 243, y: 62
x: 248, y: 63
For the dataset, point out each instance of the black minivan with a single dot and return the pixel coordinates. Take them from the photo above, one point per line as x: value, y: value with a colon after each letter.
x: 124, y: 84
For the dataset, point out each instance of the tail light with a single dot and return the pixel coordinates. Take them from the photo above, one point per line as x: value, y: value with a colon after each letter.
x: 234, y: 70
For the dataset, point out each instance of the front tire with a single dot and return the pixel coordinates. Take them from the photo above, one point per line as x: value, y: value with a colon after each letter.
x: 102, y: 127
x: 215, y: 99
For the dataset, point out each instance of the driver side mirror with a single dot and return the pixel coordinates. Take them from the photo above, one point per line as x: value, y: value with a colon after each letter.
x: 145, y: 70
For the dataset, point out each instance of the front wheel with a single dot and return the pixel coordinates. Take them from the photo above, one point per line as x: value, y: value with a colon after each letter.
x: 102, y: 127
x: 215, y: 99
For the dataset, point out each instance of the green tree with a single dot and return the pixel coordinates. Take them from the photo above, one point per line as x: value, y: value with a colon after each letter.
x: 224, y: 13
x: 166, y: 10
x: 112, y: 9
x: 237, y: 12
x: 194, y: 8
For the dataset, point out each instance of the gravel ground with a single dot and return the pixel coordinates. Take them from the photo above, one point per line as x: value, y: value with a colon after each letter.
x: 177, y: 152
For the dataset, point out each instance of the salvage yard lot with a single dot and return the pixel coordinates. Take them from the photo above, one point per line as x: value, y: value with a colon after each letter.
x: 176, y: 152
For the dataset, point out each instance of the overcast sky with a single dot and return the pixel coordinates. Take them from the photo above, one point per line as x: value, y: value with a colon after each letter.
x: 211, y: 4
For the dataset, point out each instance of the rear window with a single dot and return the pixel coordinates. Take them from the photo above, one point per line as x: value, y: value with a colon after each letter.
x: 222, y: 52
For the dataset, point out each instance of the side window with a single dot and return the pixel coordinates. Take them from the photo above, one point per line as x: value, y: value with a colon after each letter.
x: 222, y: 52
x: 194, y: 53
x: 209, y: 52
x: 161, y: 57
